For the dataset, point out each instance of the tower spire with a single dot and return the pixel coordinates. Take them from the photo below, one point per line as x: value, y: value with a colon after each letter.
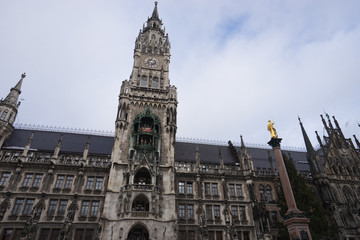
x: 13, y: 97
x: 308, y: 145
x: 155, y: 13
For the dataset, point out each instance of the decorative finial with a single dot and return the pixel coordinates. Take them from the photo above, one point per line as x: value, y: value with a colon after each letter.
x: 156, y: 3
x: 23, y: 75
x: 271, y: 129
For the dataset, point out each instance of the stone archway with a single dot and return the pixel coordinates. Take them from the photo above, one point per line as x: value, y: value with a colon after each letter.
x: 138, y: 232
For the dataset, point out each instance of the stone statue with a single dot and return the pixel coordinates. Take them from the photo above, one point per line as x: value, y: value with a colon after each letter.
x: 271, y: 129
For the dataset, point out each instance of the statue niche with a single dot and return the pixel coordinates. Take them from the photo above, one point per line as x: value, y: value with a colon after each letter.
x: 145, y: 137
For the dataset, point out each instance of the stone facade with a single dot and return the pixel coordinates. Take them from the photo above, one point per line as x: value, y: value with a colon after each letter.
x: 143, y: 184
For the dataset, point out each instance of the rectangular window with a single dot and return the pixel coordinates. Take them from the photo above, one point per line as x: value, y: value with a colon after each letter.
x: 94, y: 209
x: 37, y: 180
x: 28, y: 206
x: 191, y: 235
x: 55, y: 234
x: 44, y: 233
x: 27, y: 180
x: 234, y: 212
x: 231, y: 190
x: 4, y: 178
x: 62, y: 207
x: 209, y: 212
x: 99, y: 182
x: 219, y: 235
x: 59, y: 181
x: 273, y: 217
x: 79, y: 233
x: 242, y: 213
x: 190, y: 211
x: 239, y: 190
x: 7, y: 234
x: 207, y: 189
x: 181, y: 211
x: 246, y: 235
x: 211, y: 235
x: 17, y: 206
x: 189, y: 188
x: 52, y: 207
x: 89, y: 234
x: 181, y: 187
x: 215, y: 189
x: 90, y: 183
x: 217, y: 211
x: 84, y: 208
x: 68, y: 182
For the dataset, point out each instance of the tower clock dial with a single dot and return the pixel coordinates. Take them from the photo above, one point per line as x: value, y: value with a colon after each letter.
x: 151, y: 62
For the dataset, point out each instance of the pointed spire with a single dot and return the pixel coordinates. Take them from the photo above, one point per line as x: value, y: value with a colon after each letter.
x: 86, y: 149
x: 155, y: 13
x: 357, y: 141
x: 197, y: 156
x: 325, y: 125
x: 221, y: 160
x: 28, y: 144
x: 242, y: 142
x: 13, y: 97
x: 308, y: 145
x: 57, y: 148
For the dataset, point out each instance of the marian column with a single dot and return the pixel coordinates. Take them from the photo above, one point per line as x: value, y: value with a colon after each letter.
x: 295, y: 221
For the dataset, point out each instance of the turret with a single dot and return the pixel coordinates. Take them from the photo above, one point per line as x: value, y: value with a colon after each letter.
x: 8, y: 110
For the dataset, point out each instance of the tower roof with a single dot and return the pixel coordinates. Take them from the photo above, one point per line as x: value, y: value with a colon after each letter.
x: 308, y: 145
x: 13, y: 97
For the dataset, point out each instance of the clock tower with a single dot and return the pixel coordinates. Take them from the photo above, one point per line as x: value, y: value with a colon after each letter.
x: 140, y: 198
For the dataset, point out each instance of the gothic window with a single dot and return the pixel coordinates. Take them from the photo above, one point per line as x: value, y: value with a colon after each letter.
x: 155, y: 83
x: 27, y: 179
x: 234, y: 212
x: 348, y: 197
x: 207, y: 189
x: 62, y: 207
x: 17, y: 206
x: 261, y: 192
x: 3, y: 115
x: 68, y: 182
x: 140, y: 204
x: 142, y: 177
x: 37, y: 180
x: 268, y: 193
x: 231, y: 190
x: 242, y: 213
x: 181, y: 187
x: 98, y: 184
x: 90, y: 182
x: 4, y: 178
x: 94, y: 208
x: 217, y: 211
x: 84, y: 208
x: 209, y: 212
x: 189, y: 188
x: 215, y: 189
x: 59, y: 181
x: 28, y: 206
x: 190, y: 211
x: 143, y: 82
x: 181, y: 210
x: 52, y: 207
x: 239, y: 192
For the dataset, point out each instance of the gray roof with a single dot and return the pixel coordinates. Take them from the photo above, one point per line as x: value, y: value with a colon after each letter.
x: 102, y: 145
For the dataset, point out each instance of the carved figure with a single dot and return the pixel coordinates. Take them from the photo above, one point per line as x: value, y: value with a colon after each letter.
x: 271, y: 129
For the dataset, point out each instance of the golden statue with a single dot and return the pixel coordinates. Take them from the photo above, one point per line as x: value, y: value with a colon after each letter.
x: 271, y: 129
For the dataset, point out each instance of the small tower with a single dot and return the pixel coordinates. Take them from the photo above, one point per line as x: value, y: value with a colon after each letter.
x: 8, y: 110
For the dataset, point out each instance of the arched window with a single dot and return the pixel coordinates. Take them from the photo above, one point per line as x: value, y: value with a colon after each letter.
x: 268, y: 193
x: 142, y: 177
x: 140, y: 204
x: 3, y: 115
x: 261, y: 192
x: 143, y: 82
x: 138, y: 232
x: 155, y: 83
x: 348, y: 197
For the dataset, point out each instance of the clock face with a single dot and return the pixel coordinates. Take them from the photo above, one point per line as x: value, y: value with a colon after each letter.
x: 151, y: 62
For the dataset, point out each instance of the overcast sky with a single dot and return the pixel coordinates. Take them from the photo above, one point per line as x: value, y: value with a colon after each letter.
x: 236, y: 64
